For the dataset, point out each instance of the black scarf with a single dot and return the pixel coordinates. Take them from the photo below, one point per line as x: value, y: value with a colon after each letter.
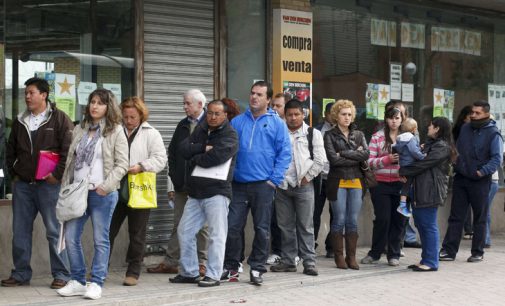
x: 477, y: 124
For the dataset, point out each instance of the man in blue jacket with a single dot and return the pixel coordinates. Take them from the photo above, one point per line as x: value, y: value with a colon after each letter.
x: 263, y: 157
x: 480, y: 149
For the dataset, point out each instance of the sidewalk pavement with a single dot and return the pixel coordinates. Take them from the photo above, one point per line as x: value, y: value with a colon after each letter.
x: 456, y: 283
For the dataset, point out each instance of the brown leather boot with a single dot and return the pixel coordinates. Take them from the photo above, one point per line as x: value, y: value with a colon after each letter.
x: 351, y: 240
x: 338, y: 249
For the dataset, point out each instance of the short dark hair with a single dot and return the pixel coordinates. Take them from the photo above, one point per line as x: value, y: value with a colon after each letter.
x: 328, y: 106
x: 270, y: 91
x: 293, y: 103
x: 41, y: 84
x: 484, y: 104
x: 218, y: 102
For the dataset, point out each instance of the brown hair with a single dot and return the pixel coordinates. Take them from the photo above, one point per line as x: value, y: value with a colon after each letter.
x: 232, y: 108
x: 113, y: 114
x: 138, y: 104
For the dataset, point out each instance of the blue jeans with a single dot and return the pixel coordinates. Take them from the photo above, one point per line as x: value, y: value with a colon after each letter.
x: 492, y: 192
x: 258, y: 197
x: 28, y: 201
x: 426, y: 223
x: 198, y: 212
x: 100, y: 209
x: 346, y: 210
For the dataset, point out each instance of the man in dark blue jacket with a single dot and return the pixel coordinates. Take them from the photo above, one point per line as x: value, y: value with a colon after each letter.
x: 480, y: 149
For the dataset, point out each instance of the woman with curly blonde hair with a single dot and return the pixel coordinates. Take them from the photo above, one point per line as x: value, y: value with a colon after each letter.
x: 346, y: 149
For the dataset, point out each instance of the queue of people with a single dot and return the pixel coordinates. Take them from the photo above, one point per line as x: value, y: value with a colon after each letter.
x: 223, y: 164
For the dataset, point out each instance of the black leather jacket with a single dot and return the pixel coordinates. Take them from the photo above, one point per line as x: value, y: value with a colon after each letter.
x: 345, y: 164
x: 431, y: 175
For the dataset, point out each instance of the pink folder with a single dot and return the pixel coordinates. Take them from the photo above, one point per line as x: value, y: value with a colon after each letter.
x: 47, y: 163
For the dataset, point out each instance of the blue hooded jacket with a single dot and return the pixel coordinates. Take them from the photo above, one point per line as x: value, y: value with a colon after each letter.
x: 264, y: 148
x: 479, y: 149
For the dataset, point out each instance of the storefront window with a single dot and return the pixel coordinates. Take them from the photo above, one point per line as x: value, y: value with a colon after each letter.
x: 441, y: 51
x: 82, y: 45
x: 246, y: 36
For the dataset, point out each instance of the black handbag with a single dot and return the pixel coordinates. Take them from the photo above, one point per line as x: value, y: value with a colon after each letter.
x: 368, y: 175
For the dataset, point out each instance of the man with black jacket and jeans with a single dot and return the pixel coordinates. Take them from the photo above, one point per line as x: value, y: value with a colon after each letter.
x: 213, y: 144
x: 194, y: 103
x: 480, y: 149
x: 42, y: 127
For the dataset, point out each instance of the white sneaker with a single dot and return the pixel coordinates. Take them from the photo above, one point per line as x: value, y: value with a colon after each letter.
x: 72, y: 288
x: 93, y: 291
x: 240, y: 268
x: 273, y: 259
x: 297, y: 260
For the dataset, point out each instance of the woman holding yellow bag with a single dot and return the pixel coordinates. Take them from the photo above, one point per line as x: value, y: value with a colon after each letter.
x: 147, y: 156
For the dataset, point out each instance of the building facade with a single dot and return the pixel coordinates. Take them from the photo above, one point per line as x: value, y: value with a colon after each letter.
x: 158, y: 49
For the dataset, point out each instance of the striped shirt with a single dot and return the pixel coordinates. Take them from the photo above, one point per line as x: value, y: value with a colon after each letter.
x: 379, y: 159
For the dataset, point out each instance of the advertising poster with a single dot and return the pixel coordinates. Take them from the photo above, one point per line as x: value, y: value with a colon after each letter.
x: 65, y: 93
x: 49, y: 77
x: 292, y: 52
x: 412, y: 35
x: 438, y: 102
x: 496, y: 98
x: 326, y: 101
x: 116, y: 90
x: 443, y: 103
x: 384, y: 97
x: 372, y: 100
x: 395, y: 80
x: 472, y: 43
x: 383, y: 32
x: 83, y: 91
x: 407, y: 92
x: 299, y: 91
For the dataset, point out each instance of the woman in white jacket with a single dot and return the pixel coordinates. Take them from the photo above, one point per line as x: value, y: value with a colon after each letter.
x: 146, y: 154
x: 99, y: 150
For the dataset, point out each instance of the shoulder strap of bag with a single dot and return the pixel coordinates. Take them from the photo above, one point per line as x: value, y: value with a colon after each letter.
x: 310, y: 136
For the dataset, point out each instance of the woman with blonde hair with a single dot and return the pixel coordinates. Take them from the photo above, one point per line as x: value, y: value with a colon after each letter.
x: 146, y: 154
x: 99, y: 151
x: 346, y: 149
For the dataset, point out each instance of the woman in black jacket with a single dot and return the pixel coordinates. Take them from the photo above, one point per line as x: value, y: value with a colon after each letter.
x: 431, y: 177
x: 346, y: 149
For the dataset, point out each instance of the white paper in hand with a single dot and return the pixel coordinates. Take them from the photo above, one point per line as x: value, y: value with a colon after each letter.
x: 219, y: 172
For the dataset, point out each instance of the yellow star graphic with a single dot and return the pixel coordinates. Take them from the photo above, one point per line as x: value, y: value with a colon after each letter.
x: 438, y: 96
x: 65, y: 86
x: 384, y: 93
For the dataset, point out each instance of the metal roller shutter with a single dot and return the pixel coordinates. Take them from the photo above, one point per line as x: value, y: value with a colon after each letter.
x: 178, y: 55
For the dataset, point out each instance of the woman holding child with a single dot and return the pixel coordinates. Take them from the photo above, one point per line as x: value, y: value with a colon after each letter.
x: 430, y: 180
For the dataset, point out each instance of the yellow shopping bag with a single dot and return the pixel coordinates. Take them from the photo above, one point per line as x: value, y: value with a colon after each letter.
x: 142, y: 188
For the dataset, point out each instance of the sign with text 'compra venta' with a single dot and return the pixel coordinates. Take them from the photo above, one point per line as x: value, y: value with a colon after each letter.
x: 292, y: 47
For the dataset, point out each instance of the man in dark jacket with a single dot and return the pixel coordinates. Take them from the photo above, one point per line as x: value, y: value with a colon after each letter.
x: 42, y: 127
x: 480, y: 149
x: 194, y: 103
x: 211, y: 151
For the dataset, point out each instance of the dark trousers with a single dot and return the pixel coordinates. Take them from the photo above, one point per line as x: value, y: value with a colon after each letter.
x: 257, y: 197
x: 388, y: 224
x: 319, y: 201
x: 137, y: 225
x: 275, y: 233
x: 466, y: 193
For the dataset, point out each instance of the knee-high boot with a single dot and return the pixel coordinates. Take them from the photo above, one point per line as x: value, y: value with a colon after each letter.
x: 338, y: 249
x: 351, y: 240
